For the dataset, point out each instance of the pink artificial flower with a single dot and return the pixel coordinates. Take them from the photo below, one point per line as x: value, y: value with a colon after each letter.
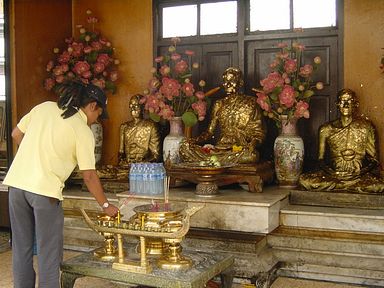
x: 175, y: 56
x: 96, y: 45
x: 290, y: 66
x: 282, y: 55
x: 49, y: 83
x: 64, y: 67
x: 200, y: 107
x: 262, y: 100
x: 114, y: 75
x: 188, y: 89
x: 181, y: 67
x: 306, y: 71
x: 60, y: 79
x: 69, y: 40
x: 87, y: 49
x: 166, y: 112
x: 50, y: 65
x: 58, y: 70
x: 104, y: 58
x: 287, y: 96
x: 81, y: 67
x: 282, y: 45
x: 302, y: 109
x: 189, y: 52
x: 159, y: 59
x: 272, y: 81
x: 99, y: 82
x: 152, y: 103
x: 170, y: 88
x: 92, y: 20
x: 64, y: 57
x: 103, y: 41
x: 200, y: 95
x: 98, y: 67
x: 164, y: 70
x: 86, y: 74
x: 274, y: 64
x: 77, y: 49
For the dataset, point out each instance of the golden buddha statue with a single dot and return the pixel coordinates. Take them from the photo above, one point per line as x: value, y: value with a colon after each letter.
x: 351, y: 145
x: 139, y: 142
x: 139, y: 138
x: 239, y: 120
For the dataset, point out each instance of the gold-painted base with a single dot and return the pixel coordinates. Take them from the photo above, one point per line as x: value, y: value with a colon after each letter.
x: 180, y: 264
x: 153, y: 246
x: 131, y: 266
x: 103, y: 255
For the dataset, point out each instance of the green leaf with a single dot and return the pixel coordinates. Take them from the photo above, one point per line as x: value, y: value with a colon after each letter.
x: 110, y: 86
x: 189, y: 118
x: 308, y: 93
x: 154, y: 117
x: 91, y: 57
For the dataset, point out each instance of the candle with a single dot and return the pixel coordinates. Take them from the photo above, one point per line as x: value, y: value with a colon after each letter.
x: 166, y: 189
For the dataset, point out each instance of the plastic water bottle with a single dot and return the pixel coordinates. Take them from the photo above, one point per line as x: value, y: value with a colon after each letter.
x: 133, y: 178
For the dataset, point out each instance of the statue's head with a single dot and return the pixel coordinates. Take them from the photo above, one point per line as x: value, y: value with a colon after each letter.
x: 232, y: 80
x: 346, y: 101
x: 135, y: 107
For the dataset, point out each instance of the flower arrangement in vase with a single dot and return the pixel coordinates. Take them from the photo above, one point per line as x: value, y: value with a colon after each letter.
x: 88, y: 59
x: 288, y: 88
x: 171, y: 92
x: 284, y: 97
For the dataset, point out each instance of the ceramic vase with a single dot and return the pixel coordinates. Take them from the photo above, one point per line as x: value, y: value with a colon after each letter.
x: 172, y: 141
x: 288, y: 154
x: 97, y: 130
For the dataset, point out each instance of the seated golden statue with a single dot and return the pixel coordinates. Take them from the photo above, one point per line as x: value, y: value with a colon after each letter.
x: 351, y: 145
x: 139, y: 138
x: 139, y: 142
x: 240, y: 124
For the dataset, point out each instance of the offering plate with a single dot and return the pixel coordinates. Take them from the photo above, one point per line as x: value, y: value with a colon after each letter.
x: 206, y: 177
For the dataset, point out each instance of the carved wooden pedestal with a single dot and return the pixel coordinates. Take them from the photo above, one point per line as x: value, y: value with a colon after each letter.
x: 208, y: 180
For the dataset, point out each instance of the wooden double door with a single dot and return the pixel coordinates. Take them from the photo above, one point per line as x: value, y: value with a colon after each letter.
x: 254, y: 57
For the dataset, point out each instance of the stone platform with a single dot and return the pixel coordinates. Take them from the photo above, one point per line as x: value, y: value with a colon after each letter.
x: 265, y: 232
x: 337, y: 199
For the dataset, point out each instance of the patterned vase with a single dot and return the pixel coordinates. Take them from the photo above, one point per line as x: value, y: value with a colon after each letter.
x: 172, y: 141
x: 289, y: 154
x: 97, y: 130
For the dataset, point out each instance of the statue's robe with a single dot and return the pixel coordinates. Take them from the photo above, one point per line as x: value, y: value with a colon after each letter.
x: 351, y: 148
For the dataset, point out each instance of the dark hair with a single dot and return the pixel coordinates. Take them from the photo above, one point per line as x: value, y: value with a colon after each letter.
x: 73, y: 96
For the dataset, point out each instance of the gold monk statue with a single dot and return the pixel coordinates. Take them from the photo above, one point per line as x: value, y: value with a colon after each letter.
x: 240, y: 124
x: 351, y: 145
x: 139, y: 138
x: 139, y: 142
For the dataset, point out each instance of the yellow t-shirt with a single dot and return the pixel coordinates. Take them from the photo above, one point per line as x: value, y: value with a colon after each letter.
x: 50, y: 150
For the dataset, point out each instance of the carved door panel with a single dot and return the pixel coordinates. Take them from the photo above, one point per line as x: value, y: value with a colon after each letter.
x: 260, y: 53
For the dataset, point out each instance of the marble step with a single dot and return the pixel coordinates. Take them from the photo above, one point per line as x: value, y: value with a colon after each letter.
x: 334, y: 274
x: 333, y: 218
x: 348, y: 257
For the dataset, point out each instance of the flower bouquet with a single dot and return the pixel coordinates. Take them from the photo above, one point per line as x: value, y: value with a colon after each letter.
x: 171, y: 92
x: 288, y: 88
x: 89, y: 59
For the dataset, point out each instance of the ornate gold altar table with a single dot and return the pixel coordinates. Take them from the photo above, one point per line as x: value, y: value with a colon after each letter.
x: 206, y: 266
x: 255, y: 175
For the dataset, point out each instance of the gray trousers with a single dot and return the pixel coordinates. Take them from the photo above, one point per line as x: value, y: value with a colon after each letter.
x: 30, y: 215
